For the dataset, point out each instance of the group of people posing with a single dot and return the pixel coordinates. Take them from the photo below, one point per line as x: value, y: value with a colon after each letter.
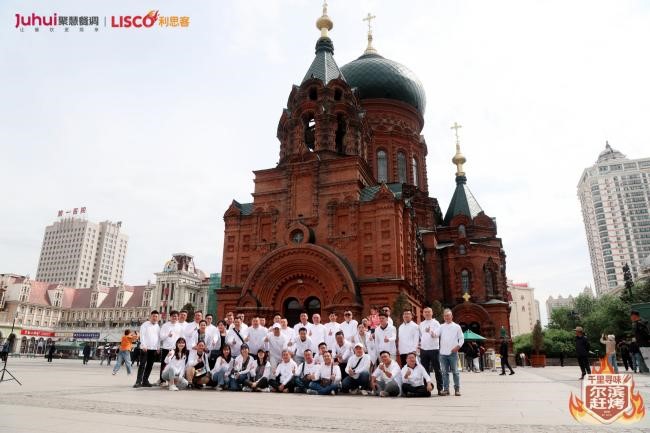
x: 370, y: 358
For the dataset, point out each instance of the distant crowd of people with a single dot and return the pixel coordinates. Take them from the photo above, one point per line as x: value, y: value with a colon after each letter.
x: 371, y: 357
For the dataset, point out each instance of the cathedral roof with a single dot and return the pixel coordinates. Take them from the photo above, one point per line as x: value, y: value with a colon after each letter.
x: 244, y: 208
x: 463, y: 202
x: 324, y: 66
x: 369, y: 192
x: 377, y: 77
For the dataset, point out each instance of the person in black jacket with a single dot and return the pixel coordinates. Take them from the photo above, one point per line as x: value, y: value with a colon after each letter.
x: 642, y: 335
x: 503, y: 351
x: 582, y: 350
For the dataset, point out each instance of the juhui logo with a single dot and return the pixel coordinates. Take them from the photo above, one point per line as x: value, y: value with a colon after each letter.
x: 126, y: 21
x: 35, y: 20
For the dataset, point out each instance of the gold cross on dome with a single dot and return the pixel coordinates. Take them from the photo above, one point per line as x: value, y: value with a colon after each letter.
x: 466, y: 297
x: 456, y: 127
x: 369, y: 18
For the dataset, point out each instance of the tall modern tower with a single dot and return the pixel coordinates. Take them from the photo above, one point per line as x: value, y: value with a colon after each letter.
x: 80, y: 253
x: 615, y: 198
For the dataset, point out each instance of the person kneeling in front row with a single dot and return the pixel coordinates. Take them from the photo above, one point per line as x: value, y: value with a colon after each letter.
x: 386, y: 379
x: 416, y: 382
x: 244, y: 368
x: 197, y: 367
x: 283, y: 380
x: 328, y: 377
x: 175, y: 363
x: 306, y: 372
x: 358, y: 372
x: 259, y: 379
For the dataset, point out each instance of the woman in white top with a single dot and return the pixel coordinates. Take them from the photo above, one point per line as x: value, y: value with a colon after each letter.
x: 176, y: 361
x: 222, y: 368
x: 244, y: 367
x: 363, y: 337
x: 259, y: 378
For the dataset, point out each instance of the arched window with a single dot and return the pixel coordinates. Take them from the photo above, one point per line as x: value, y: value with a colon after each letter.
x: 341, y: 129
x: 312, y: 305
x: 401, y: 168
x: 464, y: 281
x: 414, y: 169
x: 489, y: 284
x: 382, y: 166
x: 310, y: 132
x: 461, y: 250
x: 461, y: 231
x: 292, y: 310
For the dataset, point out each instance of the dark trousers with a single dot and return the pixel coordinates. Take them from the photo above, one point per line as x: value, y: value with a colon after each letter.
x: 343, y: 366
x: 145, y: 365
x: 302, y: 384
x: 275, y: 384
x: 415, y: 391
x: 86, y: 358
x: 363, y: 382
x: 627, y: 361
x: 583, y: 361
x: 49, y: 356
x: 163, y: 356
x: 504, y: 364
x: 402, y: 359
x: 431, y: 359
x: 261, y: 384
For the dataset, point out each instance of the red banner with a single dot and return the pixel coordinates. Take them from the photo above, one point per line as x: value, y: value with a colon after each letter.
x: 36, y: 333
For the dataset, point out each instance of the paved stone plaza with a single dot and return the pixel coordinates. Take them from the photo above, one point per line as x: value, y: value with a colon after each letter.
x: 66, y: 396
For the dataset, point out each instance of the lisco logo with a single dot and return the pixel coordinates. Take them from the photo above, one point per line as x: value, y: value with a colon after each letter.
x: 126, y: 21
x: 607, y: 397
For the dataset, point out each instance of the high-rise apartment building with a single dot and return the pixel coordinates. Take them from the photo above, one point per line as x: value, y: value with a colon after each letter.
x: 80, y: 253
x: 615, y: 198
x: 524, y: 308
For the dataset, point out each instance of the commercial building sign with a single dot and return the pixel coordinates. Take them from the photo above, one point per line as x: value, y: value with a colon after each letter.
x: 86, y: 335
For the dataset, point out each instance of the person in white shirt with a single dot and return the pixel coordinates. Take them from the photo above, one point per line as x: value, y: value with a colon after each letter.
x: 358, y: 372
x: 363, y: 337
x: 341, y: 352
x: 236, y: 337
x: 408, y: 337
x: 242, y: 319
x: 386, y: 380
x: 331, y: 328
x: 322, y: 349
x: 182, y: 318
x: 277, y: 344
x: 222, y: 368
x: 243, y: 369
x: 210, y: 328
x: 306, y: 372
x: 385, y: 336
x: 175, y: 364
x: 286, y: 330
x: 193, y: 338
x: 300, y: 344
x: 451, y: 340
x: 170, y: 332
x: 258, y: 379
x: 149, y: 348
x: 349, y: 326
x: 327, y: 378
x: 197, y: 372
x: 317, y: 331
x: 283, y: 376
x: 255, y: 336
x: 386, y: 310
x: 304, y: 323
x: 416, y: 382
x: 230, y: 320
x: 430, y: 346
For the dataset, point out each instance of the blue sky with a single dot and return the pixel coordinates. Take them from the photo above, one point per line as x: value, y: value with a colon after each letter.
x: 162, y: 128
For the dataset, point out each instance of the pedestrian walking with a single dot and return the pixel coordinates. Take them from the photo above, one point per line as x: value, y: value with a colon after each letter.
x: 50, y: 352
x: 642, y: 336
x: 582, y: 351
x: 610, y: 350
x: 503, y: 351
x: 86, y: 353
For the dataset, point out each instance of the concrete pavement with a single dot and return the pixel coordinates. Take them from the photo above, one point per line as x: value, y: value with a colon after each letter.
x: 66, y: 396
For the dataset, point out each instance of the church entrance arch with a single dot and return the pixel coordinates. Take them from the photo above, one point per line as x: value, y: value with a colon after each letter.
x: 300, y: 278
x: 292, y: 310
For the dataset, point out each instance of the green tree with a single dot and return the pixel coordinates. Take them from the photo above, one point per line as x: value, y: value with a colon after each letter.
x: 538, y: 338
x: 563, y: 318
x: 523, y: 343
x: 558, y: 341
x: 190, y: 311
x: 610, y: 315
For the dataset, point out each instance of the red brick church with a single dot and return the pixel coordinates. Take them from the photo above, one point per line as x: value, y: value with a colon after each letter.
x: 346, y: 221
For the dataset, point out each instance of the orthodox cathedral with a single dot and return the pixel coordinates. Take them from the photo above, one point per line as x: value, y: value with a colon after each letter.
x: 345, y: 220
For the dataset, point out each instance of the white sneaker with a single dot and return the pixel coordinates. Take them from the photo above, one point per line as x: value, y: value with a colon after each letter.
x: 267, y: 389
x: 311, y: 392
x: 173, y: 388
x: 246, y: 389
x: 354, y: 391
x: 383, y: 394
x: 364, y: 392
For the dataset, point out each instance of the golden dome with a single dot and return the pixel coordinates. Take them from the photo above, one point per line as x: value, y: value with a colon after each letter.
x: 324, y: 23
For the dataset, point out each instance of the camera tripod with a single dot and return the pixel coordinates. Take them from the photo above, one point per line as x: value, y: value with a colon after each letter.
x: 4, y: 367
